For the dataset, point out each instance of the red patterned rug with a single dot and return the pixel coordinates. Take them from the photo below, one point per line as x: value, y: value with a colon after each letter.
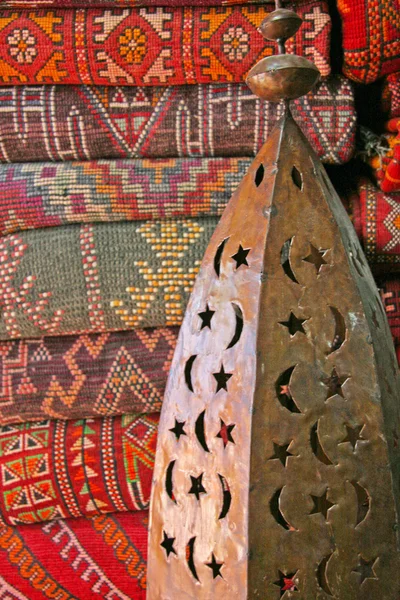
x: 77, y: 559
x: 69, y: 123
x: 76, y: 377
x: 146, y: 46
x: 376, y: 217
x: 371, y: 38
x: 59, y: 469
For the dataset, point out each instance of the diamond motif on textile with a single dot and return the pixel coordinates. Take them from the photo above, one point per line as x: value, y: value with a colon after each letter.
x: 392, y: 223
x: 137, y: 43
x: 27, y: 45
x: 231, y: 43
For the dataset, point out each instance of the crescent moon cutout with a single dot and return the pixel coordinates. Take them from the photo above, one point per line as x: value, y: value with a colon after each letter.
x: 190, y: 557
x: 188, y: 371
x: 283, y: 392
x: 340, y: 330
x: 285, y: 260
x: 276, y: 511
x: 226, y: 497
x: 200, y: 432
x: 321, y: 575
x: 316, y: 447
x: 218, y: 257
x: 363, y: 501
x: 238, y: 327
x: 169, y: 485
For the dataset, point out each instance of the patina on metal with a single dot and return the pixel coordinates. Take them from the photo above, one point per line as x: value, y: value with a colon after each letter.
x: 277, y: 469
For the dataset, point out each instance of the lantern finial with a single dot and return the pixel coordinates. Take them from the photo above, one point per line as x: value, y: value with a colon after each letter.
x: 282, y: 76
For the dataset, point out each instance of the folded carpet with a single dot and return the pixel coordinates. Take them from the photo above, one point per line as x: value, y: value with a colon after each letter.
x: 371, y: 38
x: 101, y: 277
x: 376, y: 218
x: 75, y: 377
x: 46, y: 194
x: 57, y: 469
x: 146, y: 46
x: 390, y: 292
x: 99, y: 558
x: 67, y: 122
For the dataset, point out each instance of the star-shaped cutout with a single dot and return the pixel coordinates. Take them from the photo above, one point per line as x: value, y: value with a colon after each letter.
x: 225, y: 433
x: 281, y: 453
x: 334, y: 384
x: 168, y: 544
x: 241, y: 256
x: 197, y: 486
x: 294, y: 324
x: 321, y: 505
x: 206, y: 317
x: 365, y: 568
x: 222, y: 379
x: 316, y: 258
x: 353, y: 435
x: 178, y: 429
x: 286, y: 582
x: 215, y: 567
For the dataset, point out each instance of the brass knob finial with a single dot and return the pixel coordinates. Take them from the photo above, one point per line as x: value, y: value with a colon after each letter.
x: 282, y: 76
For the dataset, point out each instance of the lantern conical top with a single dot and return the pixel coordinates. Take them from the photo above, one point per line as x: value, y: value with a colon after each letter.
x: 282, y: 76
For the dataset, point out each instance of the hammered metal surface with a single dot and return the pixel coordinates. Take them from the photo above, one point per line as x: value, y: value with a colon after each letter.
x: 221, y: 285
x: 277, y: 463
x: 332, y: 505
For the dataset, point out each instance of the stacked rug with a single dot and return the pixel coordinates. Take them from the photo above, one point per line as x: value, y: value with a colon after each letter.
x: 125, y: 126
x: 371, y: 38
x: 376, y: 217
x: 70, y: 123
x: 371, y: 47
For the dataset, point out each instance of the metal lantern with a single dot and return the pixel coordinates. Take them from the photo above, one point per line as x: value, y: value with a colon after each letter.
x: 277, y: 468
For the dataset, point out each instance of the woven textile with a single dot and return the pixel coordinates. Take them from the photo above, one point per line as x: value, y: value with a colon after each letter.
x: 48, y: 194
x: 101, y: 558
x: 371, y: 38
x: 57, y: 469
x: 100, y: 277
x: 376, y: 217
x: 82, y: 122
x: 390, y: 292
x: 148, y: 46
x: 75, y: 377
